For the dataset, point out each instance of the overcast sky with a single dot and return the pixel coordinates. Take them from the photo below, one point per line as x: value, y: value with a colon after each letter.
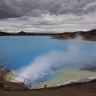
x: 47, y: 15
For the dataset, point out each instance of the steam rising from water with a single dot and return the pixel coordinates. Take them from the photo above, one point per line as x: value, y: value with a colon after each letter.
x: 48, y: 62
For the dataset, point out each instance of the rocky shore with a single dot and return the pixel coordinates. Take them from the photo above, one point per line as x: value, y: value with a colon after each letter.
x: 83, y: 87
x: 5, y: 83
x: 86, y: 35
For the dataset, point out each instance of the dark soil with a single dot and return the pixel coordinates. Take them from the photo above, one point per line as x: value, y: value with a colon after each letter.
x: 85, y: 89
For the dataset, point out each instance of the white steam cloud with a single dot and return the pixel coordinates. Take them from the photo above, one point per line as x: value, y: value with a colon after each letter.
x: 47, y: 62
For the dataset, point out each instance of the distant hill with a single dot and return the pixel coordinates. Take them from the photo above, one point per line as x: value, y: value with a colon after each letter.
x: 4, y: 33
x: 87, y: 35
x: 22, y: 33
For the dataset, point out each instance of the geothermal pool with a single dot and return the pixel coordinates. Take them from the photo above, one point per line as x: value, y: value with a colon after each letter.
x: 46, y: 61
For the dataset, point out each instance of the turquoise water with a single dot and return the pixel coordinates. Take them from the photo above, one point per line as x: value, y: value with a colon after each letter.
x: 20, y: 51
x: 64, y: 55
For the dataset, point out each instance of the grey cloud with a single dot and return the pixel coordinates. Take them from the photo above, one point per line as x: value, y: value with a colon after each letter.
x: 7, y: 14
x: 17, y: 8
x: 7, y: 11
x: 49, y: 23
x: 90, y: 7
x: 47, y: 15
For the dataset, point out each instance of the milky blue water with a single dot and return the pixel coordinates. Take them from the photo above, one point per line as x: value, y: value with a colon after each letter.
x: 21, y: 51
